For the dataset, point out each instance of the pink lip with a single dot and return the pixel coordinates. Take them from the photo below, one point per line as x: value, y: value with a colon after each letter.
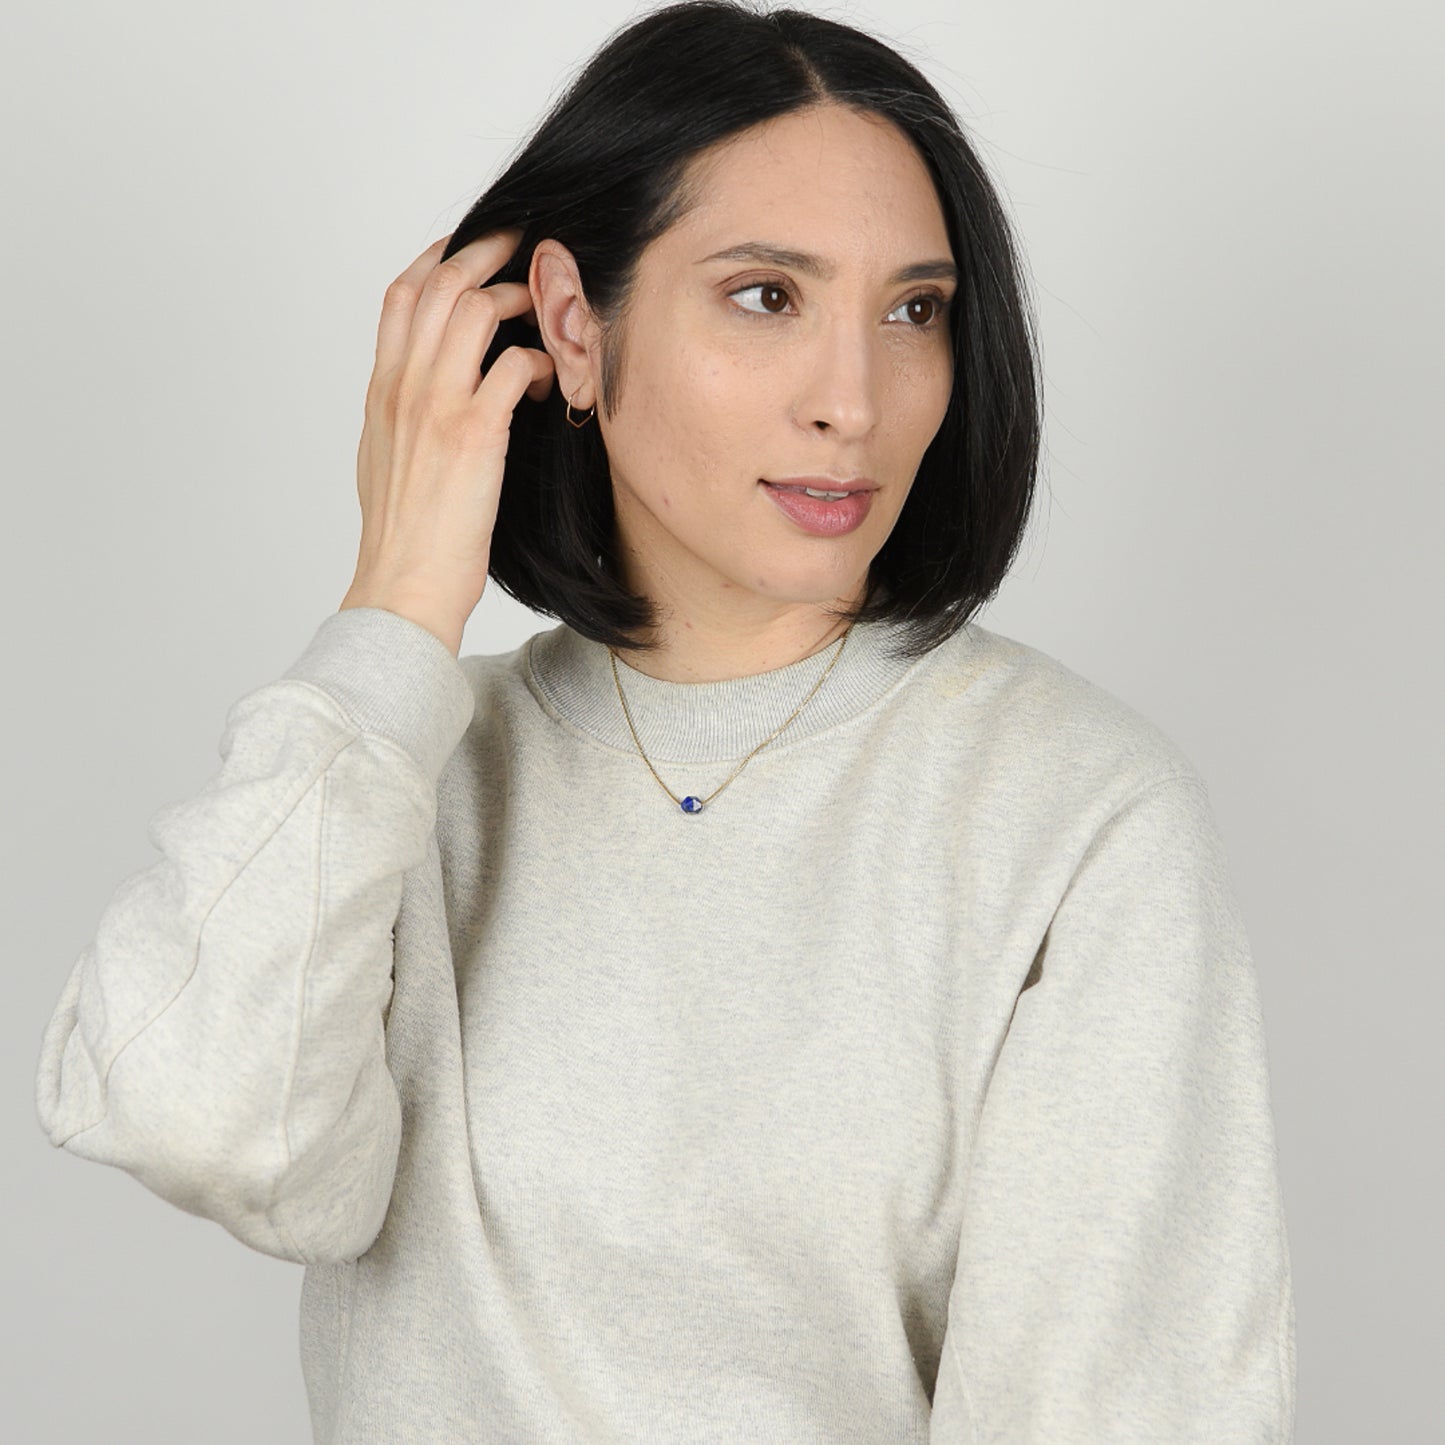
x: 817, y: 515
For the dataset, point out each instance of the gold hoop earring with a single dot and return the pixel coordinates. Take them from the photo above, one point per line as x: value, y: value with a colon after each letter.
x: 585, y: 419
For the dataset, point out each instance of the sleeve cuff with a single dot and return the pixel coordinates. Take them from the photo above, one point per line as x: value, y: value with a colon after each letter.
x: 391, y: 676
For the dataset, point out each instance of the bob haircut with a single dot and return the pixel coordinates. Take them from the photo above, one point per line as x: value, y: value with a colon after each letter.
x: 605, y: 173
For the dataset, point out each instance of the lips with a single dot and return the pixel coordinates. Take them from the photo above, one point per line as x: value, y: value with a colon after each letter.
x: 820, y: 516
x: 821, y: 484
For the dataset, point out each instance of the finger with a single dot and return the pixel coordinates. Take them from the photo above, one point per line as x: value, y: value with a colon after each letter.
x: 543, y: 380
x: 447, y: 282
x: 518, y: 370
x: 400, y: 302
x: 474, y: 255
x: 470, y: 333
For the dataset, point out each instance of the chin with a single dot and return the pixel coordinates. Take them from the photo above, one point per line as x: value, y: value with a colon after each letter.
x: 790, y: 575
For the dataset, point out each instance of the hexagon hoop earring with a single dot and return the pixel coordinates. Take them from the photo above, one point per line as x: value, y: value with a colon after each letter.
x: 585, y: 419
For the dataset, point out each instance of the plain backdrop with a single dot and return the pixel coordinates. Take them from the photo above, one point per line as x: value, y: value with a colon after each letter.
x: 1233, y: 221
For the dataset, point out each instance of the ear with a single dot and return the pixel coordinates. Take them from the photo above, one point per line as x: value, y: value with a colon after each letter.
x: 570, y: 332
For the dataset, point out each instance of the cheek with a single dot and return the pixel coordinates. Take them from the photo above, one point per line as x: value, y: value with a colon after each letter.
x: 721, y: 383
x: 933, y: 417
x: 921, y: 399
x: 712, y: 406
x: 943, y: 378
x: 684, y: 436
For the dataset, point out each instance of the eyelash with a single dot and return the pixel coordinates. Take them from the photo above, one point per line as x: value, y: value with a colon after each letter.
x: 941, y: 304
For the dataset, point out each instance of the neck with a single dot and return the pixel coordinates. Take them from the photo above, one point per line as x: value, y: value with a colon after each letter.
x: 701, y: 644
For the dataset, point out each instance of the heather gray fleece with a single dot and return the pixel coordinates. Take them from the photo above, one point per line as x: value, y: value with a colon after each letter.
x: 915, y: 1090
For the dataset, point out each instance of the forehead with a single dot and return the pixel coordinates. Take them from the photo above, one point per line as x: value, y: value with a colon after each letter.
x: 827, y: 179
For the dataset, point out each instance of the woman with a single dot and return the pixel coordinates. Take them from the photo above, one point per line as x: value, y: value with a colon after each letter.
x: 914, y: 1088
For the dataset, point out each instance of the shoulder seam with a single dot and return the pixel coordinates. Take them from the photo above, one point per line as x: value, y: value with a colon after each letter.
x: 1183, y: 775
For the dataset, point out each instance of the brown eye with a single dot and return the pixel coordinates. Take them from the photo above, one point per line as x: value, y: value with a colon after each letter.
x: 935, y: 307
x: 764, y: 290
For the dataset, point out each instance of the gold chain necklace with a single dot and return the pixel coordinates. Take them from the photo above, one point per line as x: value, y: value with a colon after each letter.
x: 690, y: 804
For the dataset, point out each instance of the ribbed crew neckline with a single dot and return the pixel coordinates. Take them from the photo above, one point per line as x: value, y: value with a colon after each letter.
x: 711, y: 721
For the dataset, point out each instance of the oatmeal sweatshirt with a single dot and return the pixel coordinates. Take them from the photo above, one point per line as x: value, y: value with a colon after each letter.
x: 913, y: 1090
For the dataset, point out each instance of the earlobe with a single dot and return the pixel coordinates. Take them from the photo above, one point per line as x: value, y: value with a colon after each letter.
x: 562, y: 316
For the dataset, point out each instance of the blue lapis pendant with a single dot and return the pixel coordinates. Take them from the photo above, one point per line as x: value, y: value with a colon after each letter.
x: 691, y: 804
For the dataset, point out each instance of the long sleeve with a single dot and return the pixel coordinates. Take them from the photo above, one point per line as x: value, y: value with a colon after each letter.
x: 223, y: 1037
x: 1123, y: 1272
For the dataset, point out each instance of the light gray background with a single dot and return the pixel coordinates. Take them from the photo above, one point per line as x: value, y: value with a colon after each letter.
x: 1234, y: 226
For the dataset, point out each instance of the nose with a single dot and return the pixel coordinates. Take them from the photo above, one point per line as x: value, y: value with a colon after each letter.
x: 838, y: 391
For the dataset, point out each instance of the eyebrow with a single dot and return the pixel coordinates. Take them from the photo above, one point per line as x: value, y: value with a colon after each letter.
x: 810, y: 265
